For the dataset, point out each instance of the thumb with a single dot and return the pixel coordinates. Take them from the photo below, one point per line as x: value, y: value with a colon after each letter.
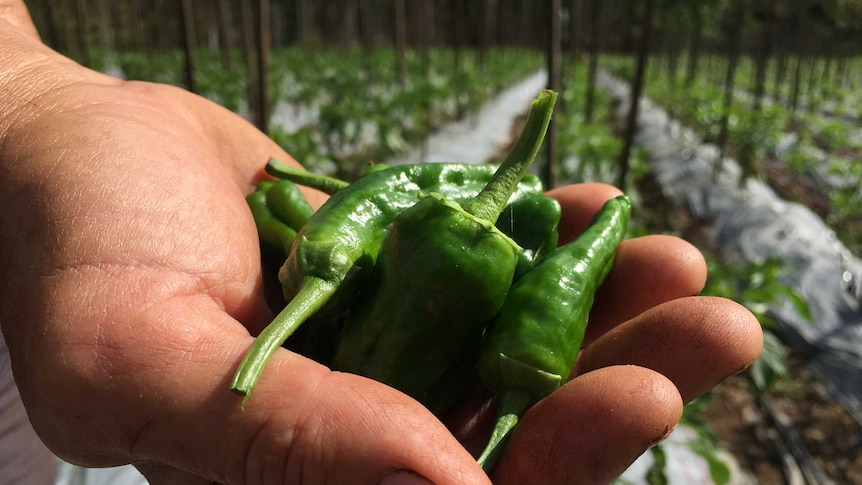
x: 329, y: 427
x: 15, y: 12
x: 164, y: 402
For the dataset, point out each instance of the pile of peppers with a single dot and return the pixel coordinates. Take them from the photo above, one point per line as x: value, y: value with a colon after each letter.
x: 432, y: 278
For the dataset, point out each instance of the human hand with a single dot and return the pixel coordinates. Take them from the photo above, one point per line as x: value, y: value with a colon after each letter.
x: 132, y: 285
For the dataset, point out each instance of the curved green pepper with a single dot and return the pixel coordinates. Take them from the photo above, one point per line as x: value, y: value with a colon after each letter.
x: 375, y: 167
x: 337, y: 247
x: 279, y: 210
x: 531, y: 346
x: 288, y: 204
x: 443, y: 272
x: 440, y: 276
x: 323, y: 183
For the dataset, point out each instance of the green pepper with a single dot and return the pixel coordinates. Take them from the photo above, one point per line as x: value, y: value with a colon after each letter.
x: 279, y: 210
x: 323, y: 183
x: 532, y: 222
x: 375, y: 167
x: 287, y: 202
x: 531, y: 346
x: 336, y: 249
x: 442, y: 273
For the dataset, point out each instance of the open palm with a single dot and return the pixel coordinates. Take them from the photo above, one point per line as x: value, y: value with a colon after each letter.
x: 131, y: 288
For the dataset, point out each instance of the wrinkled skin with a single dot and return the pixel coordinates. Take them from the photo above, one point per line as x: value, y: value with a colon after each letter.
x: 131, y: 287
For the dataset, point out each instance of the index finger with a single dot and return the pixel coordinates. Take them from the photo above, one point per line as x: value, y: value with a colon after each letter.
x: 648, y: 270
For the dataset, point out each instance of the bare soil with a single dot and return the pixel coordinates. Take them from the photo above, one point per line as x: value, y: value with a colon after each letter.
x: 815, y: 427
x: 827, y: 435
x: 795, y: 434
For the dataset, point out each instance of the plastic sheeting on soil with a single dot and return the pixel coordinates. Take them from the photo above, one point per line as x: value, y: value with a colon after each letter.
x: 477, y: 138
x: 750, y: 222
x: 683, y: 466
x: 473, y: 139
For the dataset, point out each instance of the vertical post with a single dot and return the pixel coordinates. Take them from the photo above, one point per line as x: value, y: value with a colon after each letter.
x: 137, y: 27
x: 401, y: 41
x: 694, y: 43
x: 188, y: 37
x: 365, y: 36
x: 225, y: 30
x: 249, y: 34
x: 733, y: 33
x: 486, y: 29
x: 305, y: 22
x: 83, y: 31
x: 264, y: 41
x: 637, y: 89
x: 425, y: 29
x: 574, y: 34
x: 555, y: 74
x: 103, y: 17
x: 592, y: 68
x: 764, y: 52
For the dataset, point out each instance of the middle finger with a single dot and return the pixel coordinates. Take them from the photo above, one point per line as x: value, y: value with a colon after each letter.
x: 647, y: 271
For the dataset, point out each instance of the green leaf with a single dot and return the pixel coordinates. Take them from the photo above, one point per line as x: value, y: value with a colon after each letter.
x: 656, y: 473
x: 719, y: 472
x: 772, y: 363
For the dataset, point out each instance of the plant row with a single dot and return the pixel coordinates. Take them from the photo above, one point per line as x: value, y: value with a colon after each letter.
x: 363, y: 108
x: 366, y: 112
x: 810, y: 157
x: 814, y: 84
x: 589, y: 151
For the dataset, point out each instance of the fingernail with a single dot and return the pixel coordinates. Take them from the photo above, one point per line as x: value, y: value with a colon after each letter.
x: 667, y: 432
x: 404, y: 477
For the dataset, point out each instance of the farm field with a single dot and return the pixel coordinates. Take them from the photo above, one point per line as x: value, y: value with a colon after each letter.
x: 655, y: 97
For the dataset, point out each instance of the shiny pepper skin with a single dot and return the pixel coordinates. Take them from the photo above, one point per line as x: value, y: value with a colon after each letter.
x: 442, y: 273
x: 531, y: 346
x: 336, y: 249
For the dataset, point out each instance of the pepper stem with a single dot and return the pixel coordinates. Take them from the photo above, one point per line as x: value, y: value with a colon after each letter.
x: 323, y: 183
x: 511, y: 405
x: 311, y: 297
x: 490, y: 202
